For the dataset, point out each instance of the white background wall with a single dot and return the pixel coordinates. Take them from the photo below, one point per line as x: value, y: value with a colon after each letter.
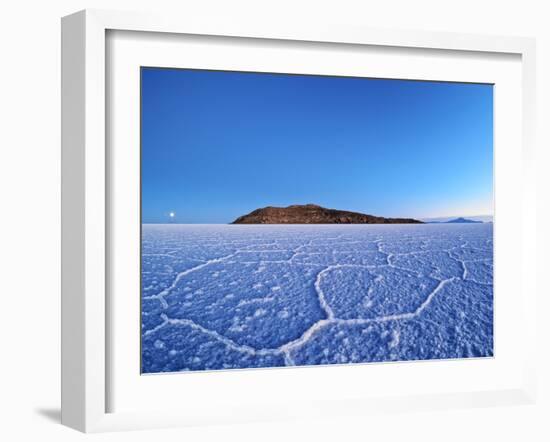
x: 30, y: 221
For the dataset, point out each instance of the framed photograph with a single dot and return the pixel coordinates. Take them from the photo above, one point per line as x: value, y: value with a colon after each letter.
x: 239, y: 270
x: 262, y: 222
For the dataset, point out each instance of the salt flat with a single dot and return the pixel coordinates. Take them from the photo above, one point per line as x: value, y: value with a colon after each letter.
x: 243, y: 296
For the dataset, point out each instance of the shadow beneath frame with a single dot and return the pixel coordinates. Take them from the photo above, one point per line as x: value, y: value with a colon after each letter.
x: 51, y: 414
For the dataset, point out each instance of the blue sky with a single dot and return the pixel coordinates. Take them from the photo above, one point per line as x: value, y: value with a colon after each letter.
x: 217, y: 145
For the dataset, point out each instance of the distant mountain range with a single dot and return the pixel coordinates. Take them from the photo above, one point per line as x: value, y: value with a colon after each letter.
x: 314, y: 214
x: 456, y: 221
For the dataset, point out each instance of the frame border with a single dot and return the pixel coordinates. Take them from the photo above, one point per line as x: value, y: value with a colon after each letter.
x: 84, y: 200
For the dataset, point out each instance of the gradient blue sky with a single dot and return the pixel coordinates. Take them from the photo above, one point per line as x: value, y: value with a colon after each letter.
x: 217, y: 145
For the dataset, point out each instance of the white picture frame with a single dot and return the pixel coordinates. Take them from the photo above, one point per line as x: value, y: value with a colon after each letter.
x: 86, y: 208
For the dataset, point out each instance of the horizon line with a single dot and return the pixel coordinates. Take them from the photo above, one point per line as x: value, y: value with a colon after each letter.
x: 424, y: 221
x: 416, y: 218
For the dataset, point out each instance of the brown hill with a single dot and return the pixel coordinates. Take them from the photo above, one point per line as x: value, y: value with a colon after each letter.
x: 313, y: 214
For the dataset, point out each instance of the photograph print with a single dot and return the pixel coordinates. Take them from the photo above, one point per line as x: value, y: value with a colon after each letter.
x: 303, y: 220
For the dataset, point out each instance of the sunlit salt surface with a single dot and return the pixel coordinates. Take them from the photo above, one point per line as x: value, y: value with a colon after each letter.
x: 244, y: 296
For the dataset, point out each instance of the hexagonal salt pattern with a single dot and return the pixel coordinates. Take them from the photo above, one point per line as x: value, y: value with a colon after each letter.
x: 235, y: 296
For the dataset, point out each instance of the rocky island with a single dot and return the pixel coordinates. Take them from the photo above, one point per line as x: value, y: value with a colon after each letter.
x: 314, y: 214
